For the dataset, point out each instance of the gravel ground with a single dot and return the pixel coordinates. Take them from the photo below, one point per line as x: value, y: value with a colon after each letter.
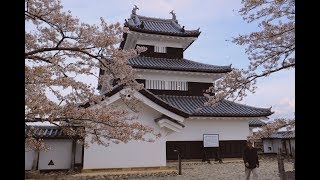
x: 232, y: 170
x: 268, y: 170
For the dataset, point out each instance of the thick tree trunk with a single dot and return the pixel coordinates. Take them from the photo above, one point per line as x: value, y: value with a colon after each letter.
x: 280, y: 158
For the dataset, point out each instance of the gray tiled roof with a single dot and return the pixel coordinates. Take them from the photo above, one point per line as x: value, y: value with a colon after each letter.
x: 281, y: 135
x: 190, y: 104
x: 256, y: 123
x: 159, y: 26
x: 46, y: 132
x: 175, y: 64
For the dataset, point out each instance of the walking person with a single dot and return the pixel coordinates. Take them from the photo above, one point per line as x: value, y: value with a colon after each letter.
x: 251, y: 161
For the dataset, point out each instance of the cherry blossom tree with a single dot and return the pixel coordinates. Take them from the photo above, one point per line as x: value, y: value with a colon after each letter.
x: 270, y: 50
x: 273, y: 126
x: 61, y: 53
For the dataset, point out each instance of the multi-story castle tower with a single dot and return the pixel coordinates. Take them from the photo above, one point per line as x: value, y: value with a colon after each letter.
x: 177, y: 84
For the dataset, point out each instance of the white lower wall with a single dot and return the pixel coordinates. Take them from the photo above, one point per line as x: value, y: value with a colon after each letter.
x: 144, y: 154
x: 132, y: 154
x: 275, y: 144
x: 29, y: 156
x: 60, y: 153
x: 227, y: 128
x: 268, y: 146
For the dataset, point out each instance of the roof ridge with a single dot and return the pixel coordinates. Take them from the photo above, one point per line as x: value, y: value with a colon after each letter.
x: 154, y: 18
x: 177, y: 26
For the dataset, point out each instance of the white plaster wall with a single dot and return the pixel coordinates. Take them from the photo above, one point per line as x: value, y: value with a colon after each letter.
x: 132, y: 154
x: 143, y: 99
x: 250, y: 130
x: 78, y: 155
x: 134, y: 38
x: 275, y: 144
x: 160, y: 43
x: 29, y: 156
x: 227, y: 128
x: 164, y: 75
x: 60, y: 153
x: 267, y: 143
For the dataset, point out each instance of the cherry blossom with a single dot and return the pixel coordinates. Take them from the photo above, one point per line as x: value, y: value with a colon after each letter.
x: 59, y: 52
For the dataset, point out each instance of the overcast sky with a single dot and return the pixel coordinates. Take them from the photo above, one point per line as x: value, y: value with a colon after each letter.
x: 218, y: 21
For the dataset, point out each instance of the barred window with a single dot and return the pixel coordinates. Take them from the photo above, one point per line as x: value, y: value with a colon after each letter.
x: 167, y: 85
x: 155, y: 84
x: 160, y: 49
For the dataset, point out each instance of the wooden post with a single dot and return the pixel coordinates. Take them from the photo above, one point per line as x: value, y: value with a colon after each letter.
x: 280, y: 158
x: 205, y: 156
x: 73, y: 154
x: 35, y: 160
x: 179, y: 159
x: 290, y: 147
x: 294, y: 158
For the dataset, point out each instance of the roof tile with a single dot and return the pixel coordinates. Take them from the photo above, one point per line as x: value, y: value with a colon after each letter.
x: 159, y: 26
x: 47, y: 132
x: 175, y: 64
x: 190, y: 104
x: 281, y: 135
x: 256, y: 123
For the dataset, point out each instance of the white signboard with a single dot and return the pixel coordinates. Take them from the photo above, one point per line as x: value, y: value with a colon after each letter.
x: 211, y: 140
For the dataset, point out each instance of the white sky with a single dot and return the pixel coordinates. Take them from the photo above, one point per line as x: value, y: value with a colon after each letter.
x: 218, y: 21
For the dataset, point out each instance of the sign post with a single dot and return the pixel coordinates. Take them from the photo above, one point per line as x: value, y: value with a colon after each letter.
x: 210, y: 141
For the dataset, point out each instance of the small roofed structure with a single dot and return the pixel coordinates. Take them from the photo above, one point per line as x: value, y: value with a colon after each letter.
x: 282, y: 140
x: 256, y: 123
x: 63, y: 151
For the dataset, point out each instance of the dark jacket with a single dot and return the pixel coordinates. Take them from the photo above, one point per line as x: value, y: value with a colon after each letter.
x: 251, y: 156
